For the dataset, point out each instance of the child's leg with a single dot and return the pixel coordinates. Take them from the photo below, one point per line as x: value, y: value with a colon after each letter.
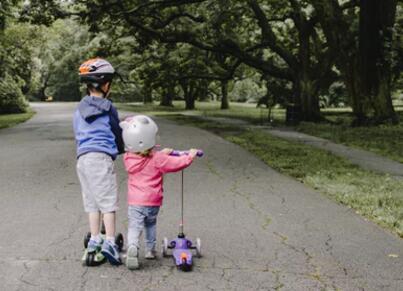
x: 150, y: 224
x: 136, y: 225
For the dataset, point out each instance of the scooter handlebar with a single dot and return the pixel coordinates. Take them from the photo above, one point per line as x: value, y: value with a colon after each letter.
x: 177, y: 153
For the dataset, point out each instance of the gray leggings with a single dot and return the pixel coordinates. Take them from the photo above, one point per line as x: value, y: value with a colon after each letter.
x: 142, y: 217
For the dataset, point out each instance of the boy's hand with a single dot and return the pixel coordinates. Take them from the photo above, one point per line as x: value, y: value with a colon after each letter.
x: 167, y: 151
x: 193, y: 152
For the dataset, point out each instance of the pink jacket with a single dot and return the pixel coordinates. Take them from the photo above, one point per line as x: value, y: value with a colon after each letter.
x: 146, y: 176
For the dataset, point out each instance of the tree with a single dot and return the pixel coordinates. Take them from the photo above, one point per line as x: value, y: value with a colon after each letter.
x: 341, y: 25
x: 375, y: 47
x: 211, y: 26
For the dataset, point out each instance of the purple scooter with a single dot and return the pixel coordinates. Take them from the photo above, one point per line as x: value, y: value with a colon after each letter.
x: 182, y: 247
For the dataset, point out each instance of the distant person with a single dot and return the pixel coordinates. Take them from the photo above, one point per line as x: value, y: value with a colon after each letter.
x: 146, y: 168
x: 99, y: 140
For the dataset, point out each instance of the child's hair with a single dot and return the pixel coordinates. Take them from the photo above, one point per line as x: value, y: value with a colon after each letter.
x: 146, y: 153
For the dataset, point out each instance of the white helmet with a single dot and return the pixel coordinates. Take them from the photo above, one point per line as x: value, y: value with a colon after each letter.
x: 139, y: 133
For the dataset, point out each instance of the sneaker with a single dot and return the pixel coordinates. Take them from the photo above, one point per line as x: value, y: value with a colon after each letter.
x: 111, y: 252
x: 94, y: 246
x: 150, y: 255
x: 132, y: 258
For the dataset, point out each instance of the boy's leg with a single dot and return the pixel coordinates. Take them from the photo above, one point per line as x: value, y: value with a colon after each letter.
x: 109, y: 248
x: 105, y: 187
x: 95, y: 220
x: 150, y: 224
x: 84, y: 174
x: 109, y: 221
x: 95, y: 241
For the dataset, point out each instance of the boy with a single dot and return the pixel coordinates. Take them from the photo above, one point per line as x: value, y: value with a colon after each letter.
x: 99, y: 140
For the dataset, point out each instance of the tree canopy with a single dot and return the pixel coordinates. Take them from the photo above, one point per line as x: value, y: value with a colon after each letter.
x: 298, y: 50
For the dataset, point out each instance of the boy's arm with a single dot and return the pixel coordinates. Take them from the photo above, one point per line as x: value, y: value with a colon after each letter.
x: 168, y: 164
x: 116, y: 129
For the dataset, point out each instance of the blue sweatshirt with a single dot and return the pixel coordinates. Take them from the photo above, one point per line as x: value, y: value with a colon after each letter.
x: 96, y: 127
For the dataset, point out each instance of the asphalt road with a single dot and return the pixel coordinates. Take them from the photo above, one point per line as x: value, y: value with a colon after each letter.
x: 260, y: 230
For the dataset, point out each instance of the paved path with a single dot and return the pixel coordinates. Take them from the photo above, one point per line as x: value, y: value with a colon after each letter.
x: 260, y: 230
x: 362, y: 158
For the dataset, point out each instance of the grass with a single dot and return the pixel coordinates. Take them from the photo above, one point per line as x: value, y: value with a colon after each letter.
x: 385, y: 140
x: 8, y: 120
x: 374, y: 196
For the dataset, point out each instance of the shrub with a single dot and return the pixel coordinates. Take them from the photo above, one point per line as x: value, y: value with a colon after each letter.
x: 11, y: 98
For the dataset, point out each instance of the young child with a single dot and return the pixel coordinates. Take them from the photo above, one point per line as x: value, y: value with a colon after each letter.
x: 99, y: 140
x: 145, y: 168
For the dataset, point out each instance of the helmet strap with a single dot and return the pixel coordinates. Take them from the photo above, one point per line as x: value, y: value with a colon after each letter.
x: 109, y: 89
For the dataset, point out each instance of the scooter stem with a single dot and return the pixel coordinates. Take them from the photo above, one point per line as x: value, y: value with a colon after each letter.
x: 181, y: 224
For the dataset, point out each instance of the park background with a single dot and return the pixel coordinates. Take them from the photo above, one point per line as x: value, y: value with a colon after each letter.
x: 328, y: 68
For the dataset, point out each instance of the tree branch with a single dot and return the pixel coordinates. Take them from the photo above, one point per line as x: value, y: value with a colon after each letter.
x: 226, y: 46
x: 175, y: 16
x: 269, y: 37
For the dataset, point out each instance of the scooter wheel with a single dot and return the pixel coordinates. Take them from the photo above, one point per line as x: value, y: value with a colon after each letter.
x: 185, y: 267
x: 87, y: 239
x: 119, y: 241
x: 90, y: 259
x: 198, y: 248
x: 164, y: 247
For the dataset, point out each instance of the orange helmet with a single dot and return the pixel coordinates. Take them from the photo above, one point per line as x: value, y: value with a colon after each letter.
x: 97, y: 71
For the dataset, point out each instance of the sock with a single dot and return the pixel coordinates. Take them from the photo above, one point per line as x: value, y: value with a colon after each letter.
x: 96, y: 238
x: 111, y: 239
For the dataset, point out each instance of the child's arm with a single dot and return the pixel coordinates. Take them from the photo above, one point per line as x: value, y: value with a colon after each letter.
x: 169, y: 164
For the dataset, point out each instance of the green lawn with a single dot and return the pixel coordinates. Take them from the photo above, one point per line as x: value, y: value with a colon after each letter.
x: 385, y: 140
x: 8, y: 120
x: 377, y: 197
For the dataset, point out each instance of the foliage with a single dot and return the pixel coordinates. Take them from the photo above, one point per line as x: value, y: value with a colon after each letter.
x: 11, y: 98
x: 199, y: 49
x: 247, y: 90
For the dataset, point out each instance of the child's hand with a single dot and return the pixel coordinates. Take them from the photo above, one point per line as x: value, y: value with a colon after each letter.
x: 193, y: 152
x: 167, y: 151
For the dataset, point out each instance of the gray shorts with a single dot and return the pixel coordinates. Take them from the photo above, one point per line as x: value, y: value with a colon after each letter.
x: 97, y: 176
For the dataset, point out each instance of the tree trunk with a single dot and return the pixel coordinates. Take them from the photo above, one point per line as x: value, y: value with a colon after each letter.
x: 357, y: 100
x: 309, y: 100
x: 190, y: 98
x: 167, y: 97
x: 188, y: 94
x: 308, y: 93
x: 203, y: 90
x: 147, y: 93
x: 166, y: 100
x: 375, y: 41
x: 224, y: 95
